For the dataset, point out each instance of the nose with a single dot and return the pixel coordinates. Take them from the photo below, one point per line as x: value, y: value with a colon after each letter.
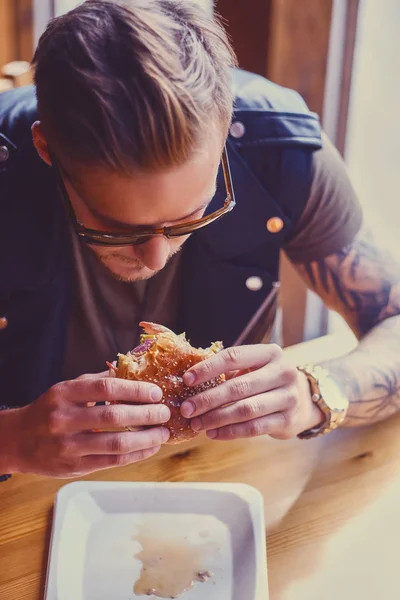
x: 154, y: 253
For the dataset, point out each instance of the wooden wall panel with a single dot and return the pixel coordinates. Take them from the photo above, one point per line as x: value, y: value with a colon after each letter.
x: 247, y: 24
x: 8, y: 38
x: 285, y: 40
x: 298, y: 47
x: 16, y: 31
x: 24, y: 18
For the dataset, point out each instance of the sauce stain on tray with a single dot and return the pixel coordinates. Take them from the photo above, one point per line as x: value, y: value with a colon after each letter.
x: 171, y: 564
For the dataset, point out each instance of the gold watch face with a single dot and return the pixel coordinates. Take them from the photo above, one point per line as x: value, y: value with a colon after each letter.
x: 332, y: 396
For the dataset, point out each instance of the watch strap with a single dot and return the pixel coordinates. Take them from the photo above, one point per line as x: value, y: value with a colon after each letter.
x: 316, y: 375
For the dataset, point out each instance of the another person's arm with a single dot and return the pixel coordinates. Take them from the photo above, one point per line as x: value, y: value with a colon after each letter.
x: 54, y: 435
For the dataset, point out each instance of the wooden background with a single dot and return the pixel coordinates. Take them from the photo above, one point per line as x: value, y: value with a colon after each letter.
x: 16, y: 43
x: 284, y: 40
x: 16, y: 37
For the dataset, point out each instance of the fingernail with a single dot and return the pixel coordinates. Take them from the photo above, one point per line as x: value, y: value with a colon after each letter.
x: 165, y: 414
x: 165, y: 434
x: 212, y: 434
x: 189, y: 378
x: 156, y: 394
x: 195, y: 424
x: 188, y: 409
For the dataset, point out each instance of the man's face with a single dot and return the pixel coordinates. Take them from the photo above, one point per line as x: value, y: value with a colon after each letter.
x: 108, y: 201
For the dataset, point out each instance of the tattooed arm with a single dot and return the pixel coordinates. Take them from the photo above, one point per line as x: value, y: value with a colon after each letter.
x: 362, y: 284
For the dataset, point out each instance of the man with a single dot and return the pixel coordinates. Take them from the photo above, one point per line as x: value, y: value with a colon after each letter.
x: 132, y: 140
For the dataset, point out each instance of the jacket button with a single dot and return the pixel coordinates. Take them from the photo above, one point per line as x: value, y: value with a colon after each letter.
x: 4, y: 154
x: 275, y: 225
x: 3, y: 323
x: 237, y: 130
x: 254, y: 284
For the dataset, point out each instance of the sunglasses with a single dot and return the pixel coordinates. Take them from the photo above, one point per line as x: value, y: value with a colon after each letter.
x: 140, y: 235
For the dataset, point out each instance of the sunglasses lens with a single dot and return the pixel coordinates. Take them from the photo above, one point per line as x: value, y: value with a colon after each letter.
x: 173, y: 233
x: 182, y: 230
x: 109, y: 239
x: 142, y: 240
x: 99, y: 240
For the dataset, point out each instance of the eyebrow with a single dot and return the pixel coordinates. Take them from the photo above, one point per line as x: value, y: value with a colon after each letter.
x: 121, y: 224
x: 115, y: 223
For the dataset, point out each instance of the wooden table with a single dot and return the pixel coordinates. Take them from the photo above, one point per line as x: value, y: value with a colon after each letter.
x: 332, y: 507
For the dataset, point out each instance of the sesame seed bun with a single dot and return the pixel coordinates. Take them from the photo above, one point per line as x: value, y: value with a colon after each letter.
x: 163, y: 358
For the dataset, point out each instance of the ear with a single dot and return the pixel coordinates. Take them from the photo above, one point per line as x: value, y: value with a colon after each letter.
x: 40, y: 143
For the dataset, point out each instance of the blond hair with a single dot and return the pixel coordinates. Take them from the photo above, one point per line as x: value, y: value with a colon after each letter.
x: 133, y: 84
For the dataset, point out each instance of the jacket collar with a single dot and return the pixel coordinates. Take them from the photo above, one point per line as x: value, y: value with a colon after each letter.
x: 245, y: 227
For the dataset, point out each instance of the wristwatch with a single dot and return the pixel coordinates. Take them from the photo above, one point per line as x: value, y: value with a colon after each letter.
x: 328, y: 397
x: 4, y: 477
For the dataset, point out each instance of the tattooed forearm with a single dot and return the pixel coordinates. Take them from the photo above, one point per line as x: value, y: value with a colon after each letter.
x: 370, y: 375
x: 362, y: 283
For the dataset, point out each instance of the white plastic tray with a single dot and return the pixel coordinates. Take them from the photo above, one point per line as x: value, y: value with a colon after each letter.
x: 95, y: 539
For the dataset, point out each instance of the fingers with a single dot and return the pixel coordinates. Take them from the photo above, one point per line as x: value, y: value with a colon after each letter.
x: 115, y: 416
x: 261, y: 398
x: 88, y: 444
x: 275, y: 425
x: 90, y: 464
x: 107, y: 389
x: 93, y: 375
x: 237, y: 358
x: 239, y: 388
x: 244, y: 410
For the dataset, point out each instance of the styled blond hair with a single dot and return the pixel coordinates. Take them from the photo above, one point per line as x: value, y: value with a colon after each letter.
x: 133, y: 84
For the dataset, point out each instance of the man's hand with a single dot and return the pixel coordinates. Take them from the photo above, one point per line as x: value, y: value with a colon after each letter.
x: 54, y: 435
x: 263, y: 395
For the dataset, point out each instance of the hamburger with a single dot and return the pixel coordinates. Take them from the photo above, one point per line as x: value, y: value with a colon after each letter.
x: 163, y: 357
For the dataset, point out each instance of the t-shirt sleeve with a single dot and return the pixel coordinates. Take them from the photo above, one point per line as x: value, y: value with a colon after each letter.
x: 332, y: 216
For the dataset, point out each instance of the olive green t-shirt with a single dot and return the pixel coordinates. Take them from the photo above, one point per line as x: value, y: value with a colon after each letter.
x: 105, y: 312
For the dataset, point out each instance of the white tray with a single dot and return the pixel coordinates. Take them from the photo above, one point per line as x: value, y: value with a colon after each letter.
x: 96, y: 525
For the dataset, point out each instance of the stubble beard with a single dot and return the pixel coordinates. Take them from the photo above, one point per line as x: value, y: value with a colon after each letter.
x: 135, y: 264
